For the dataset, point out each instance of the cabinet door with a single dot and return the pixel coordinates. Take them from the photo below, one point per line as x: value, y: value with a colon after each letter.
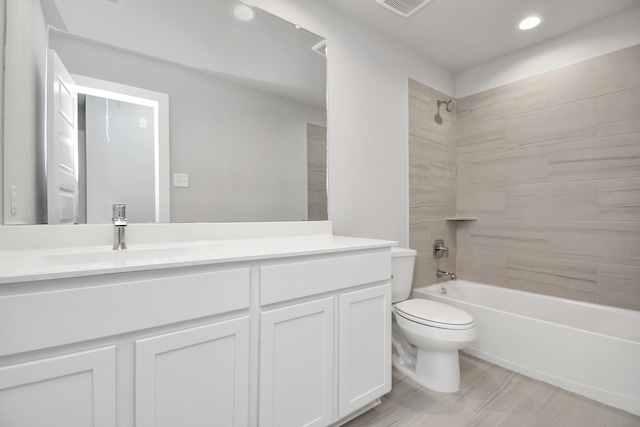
x: 364, y: 355
x: 296, y: 365
x: 195, y: 377
x: 75, y: 390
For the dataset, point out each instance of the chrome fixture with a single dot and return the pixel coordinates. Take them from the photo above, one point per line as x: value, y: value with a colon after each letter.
x: 443, y: 290
x: 442, y: 273
x: 450, y: 106
x: 439, y: 249
x: 119, y: 218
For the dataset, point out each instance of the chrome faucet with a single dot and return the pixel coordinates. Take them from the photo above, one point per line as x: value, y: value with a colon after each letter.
x: 119, y: 218
x: 442, y: 273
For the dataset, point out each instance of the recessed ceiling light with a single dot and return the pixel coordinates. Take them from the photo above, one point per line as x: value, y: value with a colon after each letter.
x: 244, y: 12
x: 529, y: 22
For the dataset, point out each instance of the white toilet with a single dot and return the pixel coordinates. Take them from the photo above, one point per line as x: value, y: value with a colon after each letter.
x: 426, y: 334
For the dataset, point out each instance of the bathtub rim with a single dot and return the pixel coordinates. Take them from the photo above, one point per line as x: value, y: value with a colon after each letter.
x: 583, y: 304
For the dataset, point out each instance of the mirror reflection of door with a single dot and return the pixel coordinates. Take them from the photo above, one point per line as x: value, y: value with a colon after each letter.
x: 62, y: 144
x: 118, y: 141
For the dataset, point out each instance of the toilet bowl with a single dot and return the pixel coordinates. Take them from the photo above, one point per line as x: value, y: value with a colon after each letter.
x: 426, y: 334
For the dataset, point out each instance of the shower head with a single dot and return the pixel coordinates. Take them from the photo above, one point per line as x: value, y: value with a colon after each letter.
x: 450, y: 105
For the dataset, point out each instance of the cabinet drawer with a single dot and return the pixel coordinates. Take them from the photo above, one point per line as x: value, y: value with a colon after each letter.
x: 37, y: 320
x: 299, y: 279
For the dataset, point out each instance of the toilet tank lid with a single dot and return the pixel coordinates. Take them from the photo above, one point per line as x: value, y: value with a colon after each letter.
x: 398, y: 252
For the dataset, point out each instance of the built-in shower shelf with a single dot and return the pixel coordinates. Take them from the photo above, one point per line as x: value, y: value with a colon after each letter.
x: 461, y: 218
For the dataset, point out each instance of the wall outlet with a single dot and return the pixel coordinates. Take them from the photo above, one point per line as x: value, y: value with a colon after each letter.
x: 180, y: 180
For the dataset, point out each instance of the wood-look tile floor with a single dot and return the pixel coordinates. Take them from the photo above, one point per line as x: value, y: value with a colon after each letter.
x: 489, y: 396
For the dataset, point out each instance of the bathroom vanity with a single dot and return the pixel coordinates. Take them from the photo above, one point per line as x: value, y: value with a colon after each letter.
x: 283, y: 329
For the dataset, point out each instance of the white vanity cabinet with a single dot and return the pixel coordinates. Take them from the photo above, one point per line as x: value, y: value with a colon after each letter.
x: 325, y: 348
x: 157, y: 348
x: 289, y: 340
x: 194, y: 377
x: 73, y: 390
x: 297, y: 365
x: 364, y: 347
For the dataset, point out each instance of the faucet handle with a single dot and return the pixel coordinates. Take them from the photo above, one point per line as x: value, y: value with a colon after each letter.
x: 119, y: 214
x: 439, y: 249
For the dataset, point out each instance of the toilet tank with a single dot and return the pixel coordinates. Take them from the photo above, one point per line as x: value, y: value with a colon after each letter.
x: 402, y: 263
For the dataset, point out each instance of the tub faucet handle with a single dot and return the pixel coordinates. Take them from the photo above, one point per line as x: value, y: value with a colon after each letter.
x: 439, y: 249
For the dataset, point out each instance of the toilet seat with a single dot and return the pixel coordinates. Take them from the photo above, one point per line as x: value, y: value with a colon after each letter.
x: 434, y: 314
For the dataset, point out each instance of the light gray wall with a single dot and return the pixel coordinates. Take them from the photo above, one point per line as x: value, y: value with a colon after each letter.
x: 25, y: 58
x: 368, y: 118
x: 244, y: 150
x: 3, y: 7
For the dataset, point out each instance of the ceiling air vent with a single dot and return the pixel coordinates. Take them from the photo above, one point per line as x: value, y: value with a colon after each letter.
x: 403, y: 8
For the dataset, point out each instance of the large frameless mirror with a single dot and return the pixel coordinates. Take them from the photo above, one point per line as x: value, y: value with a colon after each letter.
x: 200, y: 111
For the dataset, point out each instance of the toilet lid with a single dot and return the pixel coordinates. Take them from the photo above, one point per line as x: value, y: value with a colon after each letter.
x: 433, y: 313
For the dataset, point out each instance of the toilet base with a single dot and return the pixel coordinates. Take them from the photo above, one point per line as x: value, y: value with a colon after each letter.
x: 438, y: 371
x: 435, y: 371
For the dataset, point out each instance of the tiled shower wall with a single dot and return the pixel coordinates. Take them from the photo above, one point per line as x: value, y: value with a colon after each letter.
x: 550, y: 165
x: 432, y: 181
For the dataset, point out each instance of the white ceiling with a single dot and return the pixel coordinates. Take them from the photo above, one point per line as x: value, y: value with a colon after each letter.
x: 461, y: 34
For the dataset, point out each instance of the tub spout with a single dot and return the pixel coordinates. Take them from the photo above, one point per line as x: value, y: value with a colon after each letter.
x: 442, y: 273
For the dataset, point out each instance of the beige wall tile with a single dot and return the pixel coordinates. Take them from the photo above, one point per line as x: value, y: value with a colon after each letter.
x: 619, y: 112
x: 552, y: 125
x: 484, y: 203
x: 432, y: 178
x: 471, y: 261
x: 433, y: 203
x: 316, y: 172
x: 507, y: 237
x: 527, y: 202
x: 619, y: 286
x: 556, y: 277
x: 478, y: 137
x: 516, y: 98
x: 609, y: 73
x: 503, y: 169
x: 569, y: 201
x: 601, y: 158
x: 619, y: 200
x: 420, y: 235
x: 597, y: 242
x: 551, y: 167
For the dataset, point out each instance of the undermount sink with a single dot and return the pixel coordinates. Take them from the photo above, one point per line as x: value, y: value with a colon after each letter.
x: 112, y: 258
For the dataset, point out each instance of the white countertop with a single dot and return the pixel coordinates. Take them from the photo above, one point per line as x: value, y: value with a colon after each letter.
x: 22, y: 265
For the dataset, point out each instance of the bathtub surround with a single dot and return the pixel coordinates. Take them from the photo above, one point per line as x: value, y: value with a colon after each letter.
x: 432, y: 181
x: 316, y: 172
x: 550, y: 165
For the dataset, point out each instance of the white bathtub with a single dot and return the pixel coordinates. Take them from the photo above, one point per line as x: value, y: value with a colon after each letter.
x: 589, y: 349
